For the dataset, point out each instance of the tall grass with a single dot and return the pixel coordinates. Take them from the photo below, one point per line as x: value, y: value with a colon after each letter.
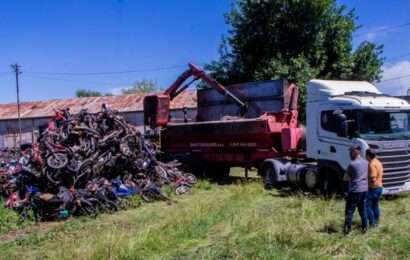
x: 9, y: 220
x: 240, y: 221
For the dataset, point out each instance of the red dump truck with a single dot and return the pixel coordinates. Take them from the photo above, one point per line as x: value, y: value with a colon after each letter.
x: 255, y: 125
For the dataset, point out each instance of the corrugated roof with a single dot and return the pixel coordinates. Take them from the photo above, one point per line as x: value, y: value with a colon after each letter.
x: 125, y: 103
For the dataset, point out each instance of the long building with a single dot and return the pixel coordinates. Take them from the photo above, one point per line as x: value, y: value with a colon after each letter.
x: 36, y: 114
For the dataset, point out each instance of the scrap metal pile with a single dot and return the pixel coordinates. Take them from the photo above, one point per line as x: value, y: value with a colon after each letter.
x: 84, y: 164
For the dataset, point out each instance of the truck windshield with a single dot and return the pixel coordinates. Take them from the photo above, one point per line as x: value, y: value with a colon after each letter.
x: 383, y: 125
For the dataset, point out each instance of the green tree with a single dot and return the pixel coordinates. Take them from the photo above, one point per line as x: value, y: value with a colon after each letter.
x: 141, y: 87
x: 87, y: 93
x: 366, y: 62
x: 293, y: 39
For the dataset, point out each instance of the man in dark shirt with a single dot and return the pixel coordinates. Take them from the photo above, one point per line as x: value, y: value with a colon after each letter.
x: 357, y: 177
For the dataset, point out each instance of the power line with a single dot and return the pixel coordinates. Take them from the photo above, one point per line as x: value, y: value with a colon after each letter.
x: 79, y: 81
x: 111, y: 72
x: 395, y: 78
x: 389, y: 28
x: 105, y: 72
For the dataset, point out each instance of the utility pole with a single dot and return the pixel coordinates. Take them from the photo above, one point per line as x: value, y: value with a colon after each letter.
x: 17, y: 71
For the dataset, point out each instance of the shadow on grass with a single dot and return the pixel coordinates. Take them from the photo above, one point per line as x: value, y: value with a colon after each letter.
x: 228, y: 180
x: 329, y: 228
x: 286, y: 192
x: 391, y: 197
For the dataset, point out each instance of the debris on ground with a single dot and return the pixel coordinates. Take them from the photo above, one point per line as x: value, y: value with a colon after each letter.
x: 84, y: 164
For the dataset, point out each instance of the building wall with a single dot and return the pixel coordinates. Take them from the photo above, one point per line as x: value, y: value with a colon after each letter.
x: 9, y: 129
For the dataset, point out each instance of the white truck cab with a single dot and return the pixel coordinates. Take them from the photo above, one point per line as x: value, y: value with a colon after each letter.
x: 340, y: 114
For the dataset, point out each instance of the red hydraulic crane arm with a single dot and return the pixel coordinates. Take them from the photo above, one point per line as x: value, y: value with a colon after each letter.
x: 157, y: 106
x: 173, y: 90
x: 177, y: 87
x: 291, y: 97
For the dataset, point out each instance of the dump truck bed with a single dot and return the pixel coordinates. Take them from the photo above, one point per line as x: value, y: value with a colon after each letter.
x: 220, y: 136
x: 260, y: 97
x: 229, y: 141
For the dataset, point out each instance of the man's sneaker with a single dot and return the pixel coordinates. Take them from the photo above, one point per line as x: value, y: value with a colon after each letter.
x: 364, y: 230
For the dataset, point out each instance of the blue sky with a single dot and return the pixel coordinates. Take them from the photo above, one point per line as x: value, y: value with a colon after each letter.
x: 73, y: 36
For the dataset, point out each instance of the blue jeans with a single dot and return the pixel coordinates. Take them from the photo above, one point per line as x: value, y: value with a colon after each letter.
x: 355, y: 200
x: 373, y: 209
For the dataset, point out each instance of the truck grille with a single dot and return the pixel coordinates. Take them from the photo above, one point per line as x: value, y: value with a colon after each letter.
x: 396, y: 166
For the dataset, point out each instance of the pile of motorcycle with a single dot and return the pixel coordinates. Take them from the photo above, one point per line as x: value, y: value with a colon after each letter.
x: 84, y: 164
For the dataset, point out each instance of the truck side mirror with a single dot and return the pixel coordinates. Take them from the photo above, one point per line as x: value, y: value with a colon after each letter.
x: 342, y: 125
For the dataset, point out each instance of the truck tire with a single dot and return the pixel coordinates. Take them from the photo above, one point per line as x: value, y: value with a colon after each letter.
x: 310, y: 180
x: 269, y: 176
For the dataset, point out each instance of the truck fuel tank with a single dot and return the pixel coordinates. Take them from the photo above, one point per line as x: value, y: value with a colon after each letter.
x: 277, y: 172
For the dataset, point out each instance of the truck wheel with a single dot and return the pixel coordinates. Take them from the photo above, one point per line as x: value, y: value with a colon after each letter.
x: 310, y: 179
x: 268, y: 174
